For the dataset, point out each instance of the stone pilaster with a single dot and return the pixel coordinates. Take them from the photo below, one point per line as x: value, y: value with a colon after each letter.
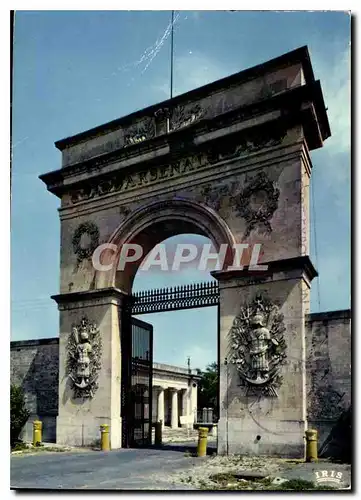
x: 79, y: 417
x: 265, y: 419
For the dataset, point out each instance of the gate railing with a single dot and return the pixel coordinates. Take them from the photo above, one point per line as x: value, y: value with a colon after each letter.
x: 175, y: 298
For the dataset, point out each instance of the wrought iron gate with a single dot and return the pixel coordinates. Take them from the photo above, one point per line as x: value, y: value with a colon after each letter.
x: 137, y: 373
x: 137, y: 352
x: 177, y: 298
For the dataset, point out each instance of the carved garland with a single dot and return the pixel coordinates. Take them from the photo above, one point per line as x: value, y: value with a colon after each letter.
x: 258, y: 346
x: 92, y: 231
x: 263, y: 214
x: 83, y: 363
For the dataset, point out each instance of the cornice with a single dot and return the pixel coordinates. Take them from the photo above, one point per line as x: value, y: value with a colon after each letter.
x: 90, y: 296
x: 295, y: 106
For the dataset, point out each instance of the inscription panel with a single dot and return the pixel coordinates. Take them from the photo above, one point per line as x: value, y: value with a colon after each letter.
x: 119, y: 182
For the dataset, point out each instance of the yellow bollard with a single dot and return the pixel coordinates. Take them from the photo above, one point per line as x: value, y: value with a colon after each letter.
x: 104, y: 437
x: 202, y: 441
x: 311, y: 445
x: 158, y: 433
x: 37, y: 431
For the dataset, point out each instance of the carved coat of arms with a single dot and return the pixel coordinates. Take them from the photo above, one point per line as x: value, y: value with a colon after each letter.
x: 84, y: 358
x: 258, y: 346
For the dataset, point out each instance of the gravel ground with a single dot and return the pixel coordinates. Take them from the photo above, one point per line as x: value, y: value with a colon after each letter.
x: 198, y: 476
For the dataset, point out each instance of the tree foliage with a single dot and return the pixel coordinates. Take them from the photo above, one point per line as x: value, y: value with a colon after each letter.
x: 208, y: 387
x: 19, y: 414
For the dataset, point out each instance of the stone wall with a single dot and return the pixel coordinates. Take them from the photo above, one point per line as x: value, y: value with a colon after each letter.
x: 328, y: 341
x: 35, y: 367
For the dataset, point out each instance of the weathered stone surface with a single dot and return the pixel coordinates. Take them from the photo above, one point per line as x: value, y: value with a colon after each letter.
x: 34, y: 365
x: 328, y: 344
x: 254, y: 422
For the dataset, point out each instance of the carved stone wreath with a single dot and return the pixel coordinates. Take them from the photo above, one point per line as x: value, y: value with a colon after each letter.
x: 259, y: 215
x: 84, y: 351
x: 92, y: 231
x: 257, y: 346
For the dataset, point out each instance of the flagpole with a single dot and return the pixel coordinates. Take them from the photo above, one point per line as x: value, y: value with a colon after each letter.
x: 171, y: 56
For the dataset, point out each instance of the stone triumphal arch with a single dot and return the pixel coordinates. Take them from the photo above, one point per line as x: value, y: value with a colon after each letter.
x: 231, y: 161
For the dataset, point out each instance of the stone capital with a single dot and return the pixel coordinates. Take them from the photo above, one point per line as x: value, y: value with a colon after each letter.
x: 295, y: 267
x: 103, y: 296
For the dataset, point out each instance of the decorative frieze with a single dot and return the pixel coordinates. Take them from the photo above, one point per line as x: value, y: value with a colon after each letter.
x: 257, y: 346
x: 215, y: 154
x: 131, y: 181
x: 249, y: 143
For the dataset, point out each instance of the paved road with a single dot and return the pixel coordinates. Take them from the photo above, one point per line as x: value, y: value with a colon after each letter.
x: 129, y: 469
x: 121, y: 469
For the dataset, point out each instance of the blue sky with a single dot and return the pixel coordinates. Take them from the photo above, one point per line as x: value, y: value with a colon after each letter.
x: 75, y: 70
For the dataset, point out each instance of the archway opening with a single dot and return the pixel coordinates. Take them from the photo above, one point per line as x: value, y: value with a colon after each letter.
x: 185, y: 341
x: 152, y: 224
x: 179, y: 243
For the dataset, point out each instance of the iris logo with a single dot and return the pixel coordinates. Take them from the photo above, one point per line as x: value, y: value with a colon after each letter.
x: 328, y: 476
